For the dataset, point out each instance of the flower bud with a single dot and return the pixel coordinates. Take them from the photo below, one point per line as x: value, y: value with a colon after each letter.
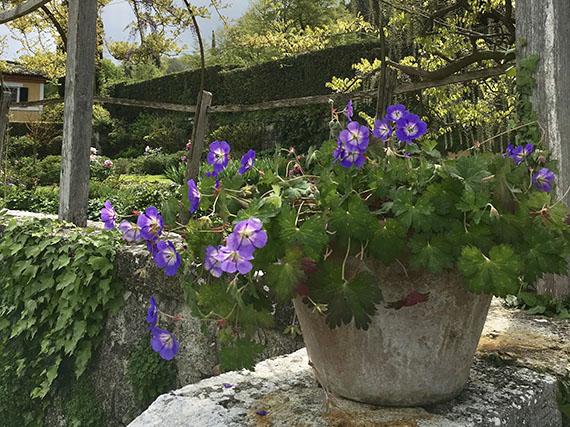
x: 493, y: 212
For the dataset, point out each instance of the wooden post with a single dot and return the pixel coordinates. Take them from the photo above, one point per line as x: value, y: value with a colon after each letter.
x: 543, y: 28
x: 78, y: 111
x: 4, y: 116
x: 198, y: 134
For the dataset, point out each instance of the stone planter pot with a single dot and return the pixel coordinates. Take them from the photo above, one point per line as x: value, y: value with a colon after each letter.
x: 413, y: 356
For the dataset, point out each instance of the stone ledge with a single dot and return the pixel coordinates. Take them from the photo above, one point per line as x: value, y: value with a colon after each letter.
x: 500, y: 392
x: 285, y: 388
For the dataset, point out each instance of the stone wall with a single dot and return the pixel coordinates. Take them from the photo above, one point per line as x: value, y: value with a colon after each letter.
x: 197, y: 358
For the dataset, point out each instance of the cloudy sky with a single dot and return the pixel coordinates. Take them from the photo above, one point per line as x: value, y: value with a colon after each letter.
x: 118, y: 14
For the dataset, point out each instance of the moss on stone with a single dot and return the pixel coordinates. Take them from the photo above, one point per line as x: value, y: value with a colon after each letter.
x: 81, y: 407
x: 148, y: 374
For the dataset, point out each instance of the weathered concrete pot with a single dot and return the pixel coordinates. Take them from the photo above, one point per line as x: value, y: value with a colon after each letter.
x: 413, y: 356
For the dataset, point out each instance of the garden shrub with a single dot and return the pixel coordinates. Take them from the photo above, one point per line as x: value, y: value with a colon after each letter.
x: 41, y: 199
x: 29, y: 172
x: 21, y: 146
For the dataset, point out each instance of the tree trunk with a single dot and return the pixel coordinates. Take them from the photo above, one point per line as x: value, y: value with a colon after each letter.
x: 543, y: 28
x: 78, y: 112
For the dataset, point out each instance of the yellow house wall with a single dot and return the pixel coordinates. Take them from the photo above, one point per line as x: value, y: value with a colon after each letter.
x: 28, y: 114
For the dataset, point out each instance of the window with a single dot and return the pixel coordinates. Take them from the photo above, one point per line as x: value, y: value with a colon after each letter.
x: 18, y: 94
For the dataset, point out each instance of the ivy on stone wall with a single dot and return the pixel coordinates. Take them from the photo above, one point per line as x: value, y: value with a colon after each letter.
x: 58, y: 284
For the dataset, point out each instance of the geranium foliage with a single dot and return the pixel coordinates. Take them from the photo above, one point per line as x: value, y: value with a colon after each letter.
x: 309, y: 226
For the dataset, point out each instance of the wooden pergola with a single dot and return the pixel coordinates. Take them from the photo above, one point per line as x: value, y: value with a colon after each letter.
x: 79, y: 85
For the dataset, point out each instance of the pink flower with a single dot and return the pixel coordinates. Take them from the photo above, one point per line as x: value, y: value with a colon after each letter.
x: 93, y: 150
x: 189, y: 145
x: 183, y: 158
x: 146, y: 149
x: 107, y: 164
x: 91, y: 158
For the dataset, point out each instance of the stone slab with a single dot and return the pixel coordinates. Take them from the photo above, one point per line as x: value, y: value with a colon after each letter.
x: 285, y: 388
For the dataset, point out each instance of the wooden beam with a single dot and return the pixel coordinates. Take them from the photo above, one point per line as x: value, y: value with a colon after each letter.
x: 146, y: 104
x: 199, y: 131
x: 5, y: 96
x: 21, y: 10
x: 292, y: 102
x: 78, y: 112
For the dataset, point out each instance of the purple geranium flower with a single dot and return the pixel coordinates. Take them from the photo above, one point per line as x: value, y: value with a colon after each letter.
x: 543, y: 180
x: 150, y: 223
x: 131, y: 231
x: 218, y: 155
x: 339, y: 152
x: 410, y: 127
x: 108, y: 215
x: 520, y: 153
x: 355, y: 137
x: 193, y: 196
x: 350, y: 158
x: 247, y: 162
x: 396, y: 112
x: 163, y: 342
x: 211, y: 264
x: 166, y: 256
x: 233, y: 259
x: 382, y: 129
x: 248, y: 235
x: 152, y: 313
x: 348, y: 111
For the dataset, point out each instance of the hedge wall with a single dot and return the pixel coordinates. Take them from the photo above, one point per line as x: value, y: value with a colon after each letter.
x: 290, y: 77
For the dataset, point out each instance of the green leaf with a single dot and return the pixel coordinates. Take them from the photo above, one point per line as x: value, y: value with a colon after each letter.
x: 434, y: 254
x: 388, y: 242
x: 470, y: 170
x: 296, y: 189
x: 100, y: 264
x: 241, y: 355
x: 284, y: 275
x: 474, y: 203
x: 496, y: 274
x: 410, y: 214
x: 346, y: 300
x: 311, y: 234
x: 354, y: 221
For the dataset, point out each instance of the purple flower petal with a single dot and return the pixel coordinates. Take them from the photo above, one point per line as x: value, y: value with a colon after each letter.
x: 163, y: 342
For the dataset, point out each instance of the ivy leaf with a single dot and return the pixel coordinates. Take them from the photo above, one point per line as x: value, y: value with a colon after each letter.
x: 434, y: 254
x: 241, y: 355
x: 311, y: 234
x: 346, y: 300
x: 497, y: 274
x: 412, y: 215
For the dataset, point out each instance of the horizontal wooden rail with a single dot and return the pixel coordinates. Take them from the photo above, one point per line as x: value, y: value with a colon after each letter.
x: 290, y: 102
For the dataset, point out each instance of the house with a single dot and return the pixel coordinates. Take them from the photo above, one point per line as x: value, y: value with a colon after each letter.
x: 25, y: 85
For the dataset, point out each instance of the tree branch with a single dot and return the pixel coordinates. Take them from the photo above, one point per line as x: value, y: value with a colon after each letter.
x: 21, y: 10
x: 454, y: 66
x: 57, y: 26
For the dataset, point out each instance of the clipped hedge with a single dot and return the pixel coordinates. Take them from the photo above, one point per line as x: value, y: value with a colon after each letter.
x: 291, y: 77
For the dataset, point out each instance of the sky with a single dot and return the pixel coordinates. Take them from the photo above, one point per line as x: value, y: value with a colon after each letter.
x: 118, y: 14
